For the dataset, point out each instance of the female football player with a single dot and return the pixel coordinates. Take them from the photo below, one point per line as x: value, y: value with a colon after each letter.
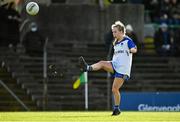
x: 120, y: 65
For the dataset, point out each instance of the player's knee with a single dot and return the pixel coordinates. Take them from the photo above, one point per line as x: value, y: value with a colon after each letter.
x: 115, y: 90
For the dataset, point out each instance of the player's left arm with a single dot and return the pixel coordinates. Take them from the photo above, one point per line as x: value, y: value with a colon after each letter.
x: 132, y: 47
x: 133, y: 50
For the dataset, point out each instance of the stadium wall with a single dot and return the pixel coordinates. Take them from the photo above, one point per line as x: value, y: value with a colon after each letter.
x: 86, y: 23
x: 150, y: 101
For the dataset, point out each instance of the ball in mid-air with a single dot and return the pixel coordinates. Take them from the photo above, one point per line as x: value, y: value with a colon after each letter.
x: 32, y: 8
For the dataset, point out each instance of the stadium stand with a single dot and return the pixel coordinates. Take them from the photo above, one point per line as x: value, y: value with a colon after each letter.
x: 8, y: 102
x: 149, y: 73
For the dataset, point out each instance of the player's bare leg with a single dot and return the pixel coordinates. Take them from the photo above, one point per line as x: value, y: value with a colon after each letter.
x: 105, y: 65
x: 118, y: 82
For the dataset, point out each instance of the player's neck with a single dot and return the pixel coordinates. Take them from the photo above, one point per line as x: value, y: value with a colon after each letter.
x: 120, y: 38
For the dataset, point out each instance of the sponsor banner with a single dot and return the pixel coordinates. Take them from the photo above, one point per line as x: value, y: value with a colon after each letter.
x: 150, y: 101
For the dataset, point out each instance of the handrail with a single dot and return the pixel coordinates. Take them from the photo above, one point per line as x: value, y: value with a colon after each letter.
x: 45, y: 78
x: 14, y: 95
x: 108, y: 78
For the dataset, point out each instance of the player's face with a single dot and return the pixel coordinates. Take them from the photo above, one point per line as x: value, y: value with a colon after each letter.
x: 116, y: 33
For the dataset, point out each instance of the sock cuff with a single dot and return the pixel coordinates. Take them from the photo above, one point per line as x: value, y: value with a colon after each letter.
x: 89, y: 68
x: 116, y: 106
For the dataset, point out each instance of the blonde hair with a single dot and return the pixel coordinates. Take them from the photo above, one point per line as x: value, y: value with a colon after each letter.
x: 120, y: 26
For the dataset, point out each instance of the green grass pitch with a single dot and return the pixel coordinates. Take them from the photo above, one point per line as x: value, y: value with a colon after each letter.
x: 89, y: 116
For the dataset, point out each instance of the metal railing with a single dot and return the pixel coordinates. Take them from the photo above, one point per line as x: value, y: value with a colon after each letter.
x: 45, y: 78
x: 14, y: 95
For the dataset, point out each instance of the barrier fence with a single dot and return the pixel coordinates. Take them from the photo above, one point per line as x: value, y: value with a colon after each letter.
x: 150, y: 101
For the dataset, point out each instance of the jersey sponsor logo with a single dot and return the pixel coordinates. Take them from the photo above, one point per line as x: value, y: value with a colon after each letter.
x: 119, y: 51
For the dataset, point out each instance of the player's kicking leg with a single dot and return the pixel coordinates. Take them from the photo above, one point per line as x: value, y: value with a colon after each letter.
x: 105, y: 65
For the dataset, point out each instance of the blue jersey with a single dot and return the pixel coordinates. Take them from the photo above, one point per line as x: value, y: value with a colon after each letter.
x: 122, y: 58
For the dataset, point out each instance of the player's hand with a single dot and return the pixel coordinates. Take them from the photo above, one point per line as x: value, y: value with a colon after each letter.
x: 133, y: 50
